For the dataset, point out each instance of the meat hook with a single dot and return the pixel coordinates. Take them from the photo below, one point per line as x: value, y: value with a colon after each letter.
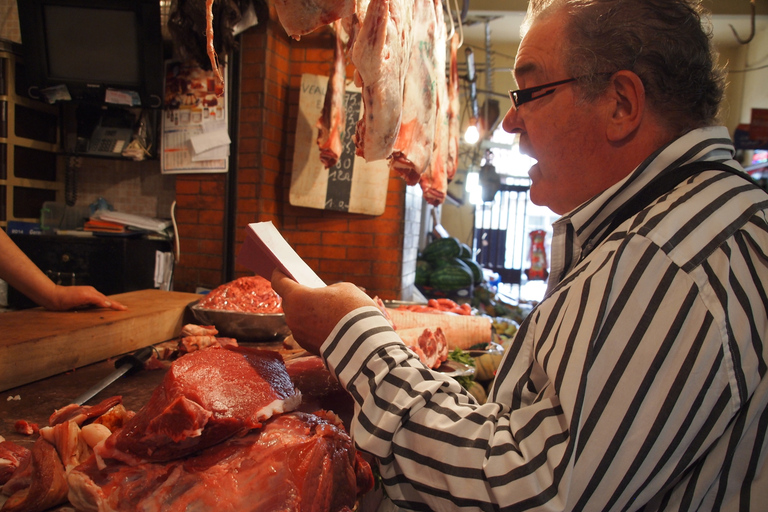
x: 752, y: 33
x: 459, y: 15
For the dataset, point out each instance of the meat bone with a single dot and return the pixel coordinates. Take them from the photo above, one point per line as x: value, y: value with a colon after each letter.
x: 125, y: 365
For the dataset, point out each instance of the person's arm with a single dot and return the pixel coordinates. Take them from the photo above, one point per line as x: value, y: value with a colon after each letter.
x: 21, y: 273
x: 580, y: 415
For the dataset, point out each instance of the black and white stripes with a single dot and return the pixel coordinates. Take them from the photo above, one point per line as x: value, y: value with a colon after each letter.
x: 638, y: 384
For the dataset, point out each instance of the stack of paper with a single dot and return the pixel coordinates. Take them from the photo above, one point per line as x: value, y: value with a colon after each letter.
x: 132, y: 220
x: 103, y: 226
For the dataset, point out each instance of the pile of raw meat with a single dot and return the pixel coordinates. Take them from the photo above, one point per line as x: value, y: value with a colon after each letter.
x: 399, y: 50
x: 249, y: 294
x: 225, y: 430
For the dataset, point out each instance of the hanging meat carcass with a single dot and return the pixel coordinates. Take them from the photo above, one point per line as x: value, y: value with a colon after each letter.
x: 434, y: 181
x: 380, y: 55
x: 453, y: 109
x: 330, y: 126
x: 415, y: 143
x: 300, y: 17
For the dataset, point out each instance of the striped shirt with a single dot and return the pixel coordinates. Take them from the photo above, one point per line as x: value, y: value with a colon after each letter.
x: 638, y: 383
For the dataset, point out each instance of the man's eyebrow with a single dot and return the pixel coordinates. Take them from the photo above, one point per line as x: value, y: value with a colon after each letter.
x: 524, y: 69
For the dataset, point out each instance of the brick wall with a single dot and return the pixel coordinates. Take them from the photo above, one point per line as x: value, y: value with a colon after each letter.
x: 375, y: 252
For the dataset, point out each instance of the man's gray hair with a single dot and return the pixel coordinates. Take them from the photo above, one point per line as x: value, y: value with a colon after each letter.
x: 664, y: 42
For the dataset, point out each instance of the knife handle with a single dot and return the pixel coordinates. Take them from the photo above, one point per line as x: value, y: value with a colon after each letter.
x: 136, y: 359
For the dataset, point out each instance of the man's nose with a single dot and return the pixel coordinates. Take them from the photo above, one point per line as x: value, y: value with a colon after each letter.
x: 511, y: 122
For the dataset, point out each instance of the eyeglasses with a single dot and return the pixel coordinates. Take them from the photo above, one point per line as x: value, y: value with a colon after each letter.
x: 521, y: 96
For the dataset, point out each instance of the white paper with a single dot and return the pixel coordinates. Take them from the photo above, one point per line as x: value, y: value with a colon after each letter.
x: 265, y: 249
x: 209, y: 140
x: 218, y: 153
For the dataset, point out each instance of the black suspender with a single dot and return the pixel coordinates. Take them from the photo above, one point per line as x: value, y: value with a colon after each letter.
x: 655, y: 189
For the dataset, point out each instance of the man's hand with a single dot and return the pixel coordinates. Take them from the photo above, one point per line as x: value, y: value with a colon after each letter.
x: 312, y: 313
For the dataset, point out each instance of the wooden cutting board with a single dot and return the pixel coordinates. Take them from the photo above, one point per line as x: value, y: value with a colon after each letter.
x: 37, y: 343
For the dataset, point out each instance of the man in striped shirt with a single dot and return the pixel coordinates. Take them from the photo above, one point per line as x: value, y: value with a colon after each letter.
x: 639, y: 382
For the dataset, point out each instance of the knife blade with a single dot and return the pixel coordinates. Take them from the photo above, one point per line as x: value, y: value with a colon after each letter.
x: 125, y: 365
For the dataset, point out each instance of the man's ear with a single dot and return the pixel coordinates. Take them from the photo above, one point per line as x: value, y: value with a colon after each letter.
x: 627, y: 106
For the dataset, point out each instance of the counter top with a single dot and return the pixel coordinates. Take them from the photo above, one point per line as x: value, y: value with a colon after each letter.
x: 38, y: 344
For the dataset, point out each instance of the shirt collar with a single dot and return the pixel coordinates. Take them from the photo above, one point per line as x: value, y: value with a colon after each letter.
x: 574, y: 229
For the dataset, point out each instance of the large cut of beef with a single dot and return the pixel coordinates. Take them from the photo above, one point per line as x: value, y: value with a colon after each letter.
x: 296, y: 462
x: 206, y: 397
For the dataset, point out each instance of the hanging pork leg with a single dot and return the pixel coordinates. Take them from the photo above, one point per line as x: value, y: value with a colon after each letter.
x: 380, y: 56
x: 453, y: 109
x: 330, y: 126
x: 414, y: 146
x: 434, y: 181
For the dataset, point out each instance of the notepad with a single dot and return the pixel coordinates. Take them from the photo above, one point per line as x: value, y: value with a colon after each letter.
x: 265, y: 249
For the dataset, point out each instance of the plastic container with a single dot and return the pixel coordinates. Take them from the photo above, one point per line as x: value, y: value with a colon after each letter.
x: 59, y: 216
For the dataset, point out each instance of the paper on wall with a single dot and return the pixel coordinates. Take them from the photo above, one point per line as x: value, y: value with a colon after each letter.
x: 265, y: 249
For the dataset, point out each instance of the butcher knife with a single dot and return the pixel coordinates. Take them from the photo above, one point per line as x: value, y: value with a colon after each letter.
x: 125, y: 365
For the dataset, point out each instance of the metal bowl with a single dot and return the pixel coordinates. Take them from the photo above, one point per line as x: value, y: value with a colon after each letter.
x: 243, y: 326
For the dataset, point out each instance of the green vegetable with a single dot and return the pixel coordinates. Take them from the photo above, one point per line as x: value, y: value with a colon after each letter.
x: 451, y: 278
x: 462, y: 357
x: 466, y: 251
x: 477, y: 270
x: 423, y: 271
x: 442, y: 248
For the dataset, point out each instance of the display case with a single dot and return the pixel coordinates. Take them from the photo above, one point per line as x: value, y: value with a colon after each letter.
x: 29, y: 143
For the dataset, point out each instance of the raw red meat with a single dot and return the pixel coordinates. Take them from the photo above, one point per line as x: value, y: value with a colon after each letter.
x: 454, y: 108
x: 428, y: 343
x: 81, y: 413
x: 26, y: 428
x: 434, y: 182
x: 297, y: 461
x: 380, y: 54
x: 11, y: 457
x: 311, y: 377
x: 250, y: 294
x: 330, y: 126
x: 414, y: 146
x: 206, y: 397
x: 300, y: 17
x: 39, y: 484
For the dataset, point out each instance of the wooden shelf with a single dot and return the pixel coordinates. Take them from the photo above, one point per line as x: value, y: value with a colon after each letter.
x: 29, y: 143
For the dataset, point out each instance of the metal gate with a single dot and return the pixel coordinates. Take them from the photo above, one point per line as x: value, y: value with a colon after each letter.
x: 499, y: 235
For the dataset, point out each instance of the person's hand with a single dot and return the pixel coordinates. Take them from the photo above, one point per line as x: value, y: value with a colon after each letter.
x: 312, y: 313
x: 71, y: 297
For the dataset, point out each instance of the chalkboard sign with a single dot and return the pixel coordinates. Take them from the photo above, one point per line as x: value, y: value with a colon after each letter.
x: 352, y: 185
x: 340, y: 175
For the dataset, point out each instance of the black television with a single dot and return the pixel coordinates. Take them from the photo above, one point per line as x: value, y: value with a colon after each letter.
x: 92, y: 46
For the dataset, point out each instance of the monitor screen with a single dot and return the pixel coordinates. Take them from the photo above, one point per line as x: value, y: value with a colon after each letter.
x: 92, y: 45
